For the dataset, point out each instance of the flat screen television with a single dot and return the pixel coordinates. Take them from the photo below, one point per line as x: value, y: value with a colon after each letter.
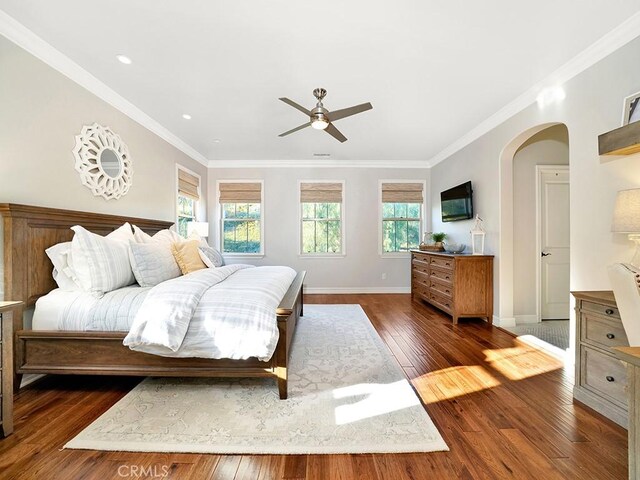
x: 457, y: 203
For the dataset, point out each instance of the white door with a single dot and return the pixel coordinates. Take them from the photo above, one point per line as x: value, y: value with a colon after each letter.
x: 553, y: 198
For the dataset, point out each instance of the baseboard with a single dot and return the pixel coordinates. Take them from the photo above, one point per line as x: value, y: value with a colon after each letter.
x: 504, y: 322
x: 521, y: 319
x: 338, y: 290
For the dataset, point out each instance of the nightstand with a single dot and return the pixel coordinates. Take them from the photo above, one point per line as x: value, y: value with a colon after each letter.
x: 6, y: 366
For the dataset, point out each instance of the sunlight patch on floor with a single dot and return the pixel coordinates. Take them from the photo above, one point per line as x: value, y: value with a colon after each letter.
x: 522, y: 361
x: 454, y: 382
x: 372, y: 399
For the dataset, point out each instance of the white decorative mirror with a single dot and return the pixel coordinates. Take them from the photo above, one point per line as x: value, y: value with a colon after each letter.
x: 103, y: 161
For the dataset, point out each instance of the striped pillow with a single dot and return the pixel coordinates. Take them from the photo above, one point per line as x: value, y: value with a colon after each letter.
x: 100, y: 264
x: 152, y: 263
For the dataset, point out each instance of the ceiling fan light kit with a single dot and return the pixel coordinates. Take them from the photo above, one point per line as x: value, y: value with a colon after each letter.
x: 322, y: 119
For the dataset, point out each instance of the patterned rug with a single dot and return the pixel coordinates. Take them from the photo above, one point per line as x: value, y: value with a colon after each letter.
x: 347, y: 394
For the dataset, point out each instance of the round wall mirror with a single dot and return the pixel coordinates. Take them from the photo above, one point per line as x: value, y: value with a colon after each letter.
x: 110, y: 163
x: 103, y: 161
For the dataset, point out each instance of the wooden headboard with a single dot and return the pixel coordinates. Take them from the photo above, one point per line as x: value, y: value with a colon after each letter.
x: 29, y: 231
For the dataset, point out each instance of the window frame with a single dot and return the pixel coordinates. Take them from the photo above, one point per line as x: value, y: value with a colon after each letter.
x: 343, y: 243
x: 220, y: 221
x: 424, y: 221
x: 196, y: 205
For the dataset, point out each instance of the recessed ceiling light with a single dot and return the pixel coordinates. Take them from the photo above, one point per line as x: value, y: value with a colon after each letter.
x: 124, y: 59
x: 216, y: 140
x: 186, y: 116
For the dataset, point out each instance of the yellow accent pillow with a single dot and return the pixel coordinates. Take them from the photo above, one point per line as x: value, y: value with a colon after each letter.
x: 187, y: 256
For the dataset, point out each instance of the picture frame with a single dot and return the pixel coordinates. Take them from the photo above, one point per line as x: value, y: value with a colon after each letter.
x: 631, y: 109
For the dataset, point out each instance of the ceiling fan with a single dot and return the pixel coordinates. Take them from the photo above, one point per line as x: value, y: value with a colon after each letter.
x: 322, y: 119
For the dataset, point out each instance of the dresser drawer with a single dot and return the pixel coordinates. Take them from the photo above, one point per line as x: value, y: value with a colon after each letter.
x: 444, y: 276
x: 601, y: 331
x: 441, y: 289
x: 419, y: 259
x: 442, y: 262
x: 421, y: 267
x: 441, y: 302
x: 421, y: 279
x: 420, y: 290
x: 604, y: 375
x: 604, y: 310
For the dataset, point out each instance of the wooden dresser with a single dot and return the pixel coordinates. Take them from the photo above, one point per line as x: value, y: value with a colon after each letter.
x: 6, y: 366
x: 461, y: 285
x: 601, y: 379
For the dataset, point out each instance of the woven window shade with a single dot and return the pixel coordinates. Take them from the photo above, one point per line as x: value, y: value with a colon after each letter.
x: 321, y: 192
x: 188, y: 185
x: 402, y: 192
x: 241, y: 192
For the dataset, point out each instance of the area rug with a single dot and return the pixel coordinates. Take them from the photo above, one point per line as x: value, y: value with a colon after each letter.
x: 347, y: 394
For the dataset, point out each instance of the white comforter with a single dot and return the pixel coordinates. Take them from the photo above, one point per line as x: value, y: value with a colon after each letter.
x: 226, y: 312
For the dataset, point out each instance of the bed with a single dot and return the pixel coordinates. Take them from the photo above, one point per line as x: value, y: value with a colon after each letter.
x: 29, y: 230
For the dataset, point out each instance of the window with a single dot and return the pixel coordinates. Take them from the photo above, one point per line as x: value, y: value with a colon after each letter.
x: 241, y: 219
x: 188, y: 197
x: 321, y: 217
x: 401, y: 216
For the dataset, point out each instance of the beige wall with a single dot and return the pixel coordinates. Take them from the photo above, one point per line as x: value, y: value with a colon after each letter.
x: 549, y: 147
x: 41, y: 111
x: 361, y: 269
x: 593, y: 105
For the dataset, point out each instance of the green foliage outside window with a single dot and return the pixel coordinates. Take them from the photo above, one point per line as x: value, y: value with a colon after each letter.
x: 241, y: 228
x: 400, y: 226
x: 321, y: 228
x: 186, y: 213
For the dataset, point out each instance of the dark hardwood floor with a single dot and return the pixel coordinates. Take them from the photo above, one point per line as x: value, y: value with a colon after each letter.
x: 504, y: 409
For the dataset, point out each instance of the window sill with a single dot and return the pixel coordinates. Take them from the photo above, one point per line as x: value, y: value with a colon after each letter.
x: 321, y: 255
x: 396, y: 255
x: 242, y: 255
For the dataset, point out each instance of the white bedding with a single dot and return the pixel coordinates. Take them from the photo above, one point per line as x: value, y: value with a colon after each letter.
x: 234, y: 318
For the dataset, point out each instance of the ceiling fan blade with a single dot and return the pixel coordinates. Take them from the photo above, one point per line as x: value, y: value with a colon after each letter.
x: 347, y: 112
x: 335, y: 133
x: 296, y: 106
x: 304, y: 125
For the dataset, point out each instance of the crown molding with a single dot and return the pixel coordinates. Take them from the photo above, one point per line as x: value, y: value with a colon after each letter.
x: 320, y: 163
x: 609, y: 43
x: 36, y: 46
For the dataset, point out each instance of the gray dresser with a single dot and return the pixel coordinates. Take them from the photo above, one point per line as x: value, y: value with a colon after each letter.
x: 601, y: 378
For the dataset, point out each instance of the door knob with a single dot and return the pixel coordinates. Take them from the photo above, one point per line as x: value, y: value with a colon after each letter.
x: 545, y: 254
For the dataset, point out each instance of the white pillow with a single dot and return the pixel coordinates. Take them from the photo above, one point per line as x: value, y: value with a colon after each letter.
x: 100, y: 264
x: 211, y: 257
x: 163, y: 236
x: 59, y: 256
x: 122, y: 234
x: 153, y: 263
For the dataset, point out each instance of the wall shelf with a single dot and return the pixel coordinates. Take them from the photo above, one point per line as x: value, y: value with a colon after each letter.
x: 621, y: 141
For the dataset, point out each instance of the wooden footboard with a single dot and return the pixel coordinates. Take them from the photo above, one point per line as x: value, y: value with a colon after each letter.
x: 102, y: 353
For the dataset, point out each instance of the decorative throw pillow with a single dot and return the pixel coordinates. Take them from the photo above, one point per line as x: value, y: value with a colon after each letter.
x: 100, y: 264
x: 211, y: 257
x: 59, y: 256
x: 163, y: 236
x: 152, y: 263
x: 187, y: 256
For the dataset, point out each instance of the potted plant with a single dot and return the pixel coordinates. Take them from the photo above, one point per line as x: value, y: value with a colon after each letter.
x: 438, y: 240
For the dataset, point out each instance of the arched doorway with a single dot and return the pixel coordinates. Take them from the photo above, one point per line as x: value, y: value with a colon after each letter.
x: 505, y: 259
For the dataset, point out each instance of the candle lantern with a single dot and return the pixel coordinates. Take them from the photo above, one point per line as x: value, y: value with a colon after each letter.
x: 477, y: 237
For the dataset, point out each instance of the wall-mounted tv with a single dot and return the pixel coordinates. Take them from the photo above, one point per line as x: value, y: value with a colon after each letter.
x: 457, y: 203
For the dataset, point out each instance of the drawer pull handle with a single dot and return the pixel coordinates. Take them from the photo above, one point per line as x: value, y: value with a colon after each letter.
x: 609, y: 311
x: 610, y: 378
x: 610, y: 336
